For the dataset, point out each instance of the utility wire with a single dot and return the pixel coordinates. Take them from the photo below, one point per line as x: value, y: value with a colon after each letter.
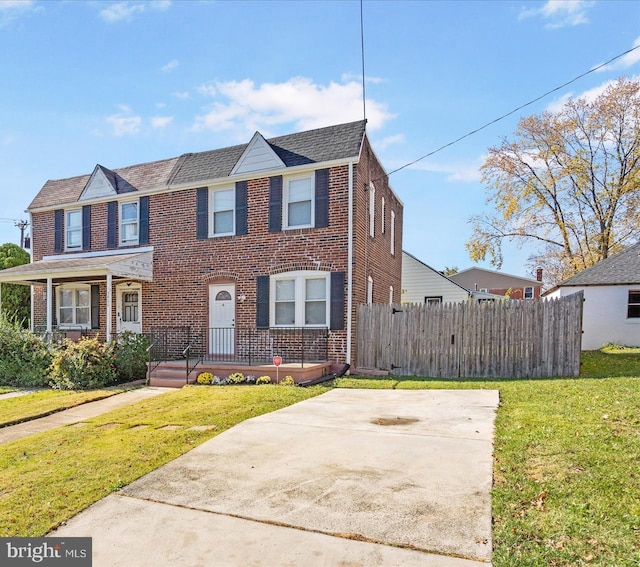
x: 513, y: 111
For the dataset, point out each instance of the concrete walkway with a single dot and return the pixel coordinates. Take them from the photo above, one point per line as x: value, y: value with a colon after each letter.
x: 351, y: 477
x: 78, y: 413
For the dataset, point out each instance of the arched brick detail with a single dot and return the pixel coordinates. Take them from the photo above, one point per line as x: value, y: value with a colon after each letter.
x: 220, y: 275
x: 302, y: 266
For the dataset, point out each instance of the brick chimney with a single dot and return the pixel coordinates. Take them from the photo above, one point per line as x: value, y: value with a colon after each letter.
x: 539, y: 274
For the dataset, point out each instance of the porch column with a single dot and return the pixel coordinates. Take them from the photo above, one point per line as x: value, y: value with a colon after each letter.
x: 109, y: 305
x: 49, y: 317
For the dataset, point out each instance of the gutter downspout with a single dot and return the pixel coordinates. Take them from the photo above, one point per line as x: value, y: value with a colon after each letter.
x: 350, y: 265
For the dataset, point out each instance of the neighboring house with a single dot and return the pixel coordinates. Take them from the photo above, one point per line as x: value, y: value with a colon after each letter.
x: 499, y: 283
x: 423, y: 284
x: 611, y: 288
x: 288, y: 232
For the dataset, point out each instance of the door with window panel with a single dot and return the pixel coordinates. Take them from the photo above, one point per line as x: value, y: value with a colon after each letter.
x: 128, y: 307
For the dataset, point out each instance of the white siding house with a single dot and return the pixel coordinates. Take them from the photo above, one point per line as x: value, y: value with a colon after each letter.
x: 422, y: 284
x: 611, y: 299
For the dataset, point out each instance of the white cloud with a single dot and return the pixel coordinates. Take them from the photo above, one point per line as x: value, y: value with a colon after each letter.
x: 466, y: 172
x: 161, y: 121
x: 384, y: 143
x: 12, y: 9
x: 626, y: 61
x: 124, y: 11
x: 243, y: 107
x: 346, y: 77
x: 560, y: 13
x: 207, y: 90
x: 170, y: 66
x: 124, y: 123
x: 182, y: 95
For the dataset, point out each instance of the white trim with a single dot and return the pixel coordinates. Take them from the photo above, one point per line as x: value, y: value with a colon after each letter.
x: 121, y: 224
x: 392, y: 234
x: 49, y: 318
x: 258, y: 156
x: 300, y: 277
x: 74, y: 287
x: 109, y: 306
x: 211, y: 212
x: 372, y: 210
x: 67, y: 212
x: 100, y: 253
x: 369, y: 290
x: 349, y: 265
x: 285, y: 200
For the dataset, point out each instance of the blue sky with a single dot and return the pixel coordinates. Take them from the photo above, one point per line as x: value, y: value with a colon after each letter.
x: 120, y: 83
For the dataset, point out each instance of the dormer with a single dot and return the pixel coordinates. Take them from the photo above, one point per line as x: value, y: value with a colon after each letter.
x: 104, y: 183
x: 258, y: 156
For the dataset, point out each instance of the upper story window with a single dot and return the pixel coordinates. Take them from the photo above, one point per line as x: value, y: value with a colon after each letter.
x: 74, y: 306
x: 129, y: 223
x: 382, y: 214
x: 372, y: 209
x: 222, y: 203
x: 393, y: 232
x: 370, y: 290
x: 298, y: 202
x: 633, y: 309
x: 73, y: 229
x: 528, y: 292
x: 300, y: 299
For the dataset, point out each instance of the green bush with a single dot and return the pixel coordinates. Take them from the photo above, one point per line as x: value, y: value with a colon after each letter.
x: 24, y: 357
x: 87, y: 363
x: 130, y: 356
x: 288, y: 381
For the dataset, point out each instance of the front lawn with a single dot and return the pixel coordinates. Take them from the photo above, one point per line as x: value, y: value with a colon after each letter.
x: 49, y: 477
x: 45, y: 402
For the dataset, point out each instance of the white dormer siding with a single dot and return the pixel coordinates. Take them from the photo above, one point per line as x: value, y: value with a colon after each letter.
x: 258, y: 156
x: 99, y: 185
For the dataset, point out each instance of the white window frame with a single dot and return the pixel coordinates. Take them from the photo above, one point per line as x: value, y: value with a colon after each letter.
x: 285, y: 200
x: 68, y: 229
x: 75, y: 289
x: 372, y: 210
x: 393, y: 233
x: 369, y: 290
x: 382, y: 214
x: 632, y: 303
x: 212, y: 211
x: 122, y: 224
x: 524, y: 292
x: 300, y: 278
x: 390, y: 294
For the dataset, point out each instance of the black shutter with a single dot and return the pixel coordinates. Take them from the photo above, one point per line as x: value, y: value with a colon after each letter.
x: 241, y: 207
x: 58, y: 221
x: 275, y: 204
x: 95, y: 306
x: 337, y: 301
x: 262, y: 302
x: 144, y: 221
x: 112, y: 218
x: 322, y: 198
x: 86, y: 227
x: 202, y: 213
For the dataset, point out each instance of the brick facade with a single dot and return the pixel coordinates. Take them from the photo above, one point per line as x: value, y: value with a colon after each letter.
x: 185, y: 266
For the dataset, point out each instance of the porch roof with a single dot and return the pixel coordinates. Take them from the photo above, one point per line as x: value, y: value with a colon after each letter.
x: 135, y: 266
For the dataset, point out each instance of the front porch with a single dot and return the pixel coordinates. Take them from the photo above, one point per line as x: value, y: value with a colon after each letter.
x: 177, y: 355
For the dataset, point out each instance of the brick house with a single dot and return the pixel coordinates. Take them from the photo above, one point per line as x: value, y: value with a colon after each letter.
x: 499, y: 283
x: 239, y: 245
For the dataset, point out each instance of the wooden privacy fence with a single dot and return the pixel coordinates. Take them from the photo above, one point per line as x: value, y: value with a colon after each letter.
x: 501, y: 339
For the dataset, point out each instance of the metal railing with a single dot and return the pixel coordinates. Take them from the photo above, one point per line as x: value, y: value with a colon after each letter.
x: 186, y: 353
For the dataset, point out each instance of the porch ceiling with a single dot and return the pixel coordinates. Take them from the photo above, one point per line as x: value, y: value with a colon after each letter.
x: 135, y: 266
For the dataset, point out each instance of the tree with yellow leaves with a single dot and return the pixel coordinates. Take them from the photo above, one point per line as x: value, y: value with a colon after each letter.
x: 569, y: 181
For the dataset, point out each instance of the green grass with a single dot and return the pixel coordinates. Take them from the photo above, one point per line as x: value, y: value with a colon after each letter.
x: 46, y: 402
x: 566, y: 473
x: 567, y: 463
x: 47, y: 478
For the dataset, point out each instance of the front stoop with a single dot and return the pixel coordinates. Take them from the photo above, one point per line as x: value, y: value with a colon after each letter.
x: 172, y: 374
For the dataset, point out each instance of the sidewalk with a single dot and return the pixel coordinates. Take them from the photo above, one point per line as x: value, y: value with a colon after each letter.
x: 79, y: 413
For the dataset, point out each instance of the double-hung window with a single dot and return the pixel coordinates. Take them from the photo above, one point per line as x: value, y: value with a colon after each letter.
x: 298, y: 202
x: 74, y: 306
x: 222, y: 211
x: 73, y: 229
x: 129, y: 223
x: 633, y: 308
x: 300, y: 299
x: 528, y: 293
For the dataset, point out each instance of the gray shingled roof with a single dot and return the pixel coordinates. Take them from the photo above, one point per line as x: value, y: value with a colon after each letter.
x: 313, y: 146
x: 620, y: 269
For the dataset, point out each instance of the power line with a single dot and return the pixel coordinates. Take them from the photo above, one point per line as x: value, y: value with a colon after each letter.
x: 514, y: 110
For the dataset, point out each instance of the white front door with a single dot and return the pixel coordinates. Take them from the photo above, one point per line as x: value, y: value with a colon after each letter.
x: 222, y: 318
x: 128, y: 312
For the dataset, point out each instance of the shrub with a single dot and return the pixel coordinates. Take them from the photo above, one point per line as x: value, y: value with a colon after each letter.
x: 288, y: 381
x: 130, y: 356
x: 205, y: 378
x: 263, y: 380
x: 24, y: 356
x: 235, y: 378
x: 85, y: 364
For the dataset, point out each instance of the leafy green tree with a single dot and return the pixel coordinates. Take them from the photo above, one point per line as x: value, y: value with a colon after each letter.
x: 568, y: 181
x: 16, y: 299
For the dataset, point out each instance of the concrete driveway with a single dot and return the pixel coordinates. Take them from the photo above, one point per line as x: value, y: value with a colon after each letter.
x: 351, y: 477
